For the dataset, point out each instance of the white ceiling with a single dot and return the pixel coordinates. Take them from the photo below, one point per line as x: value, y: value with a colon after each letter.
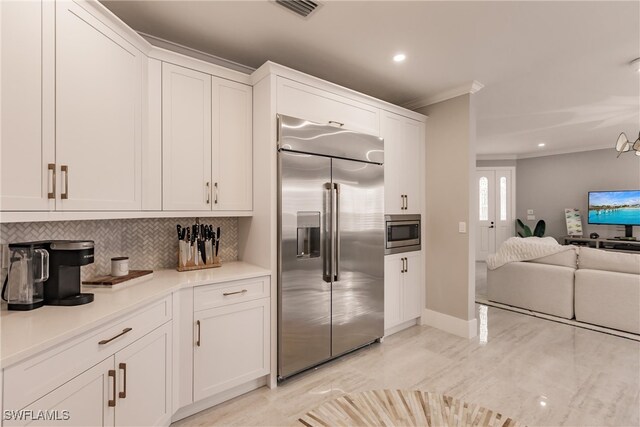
x: 554, y: 72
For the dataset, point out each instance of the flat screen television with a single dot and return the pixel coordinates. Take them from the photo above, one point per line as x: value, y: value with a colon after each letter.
x: 615, y: 208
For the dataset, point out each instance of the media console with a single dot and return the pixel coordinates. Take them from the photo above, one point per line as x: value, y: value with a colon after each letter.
x: 618, y: 245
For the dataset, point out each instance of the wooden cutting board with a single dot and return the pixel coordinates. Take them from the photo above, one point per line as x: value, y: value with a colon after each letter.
x: 108, y: 280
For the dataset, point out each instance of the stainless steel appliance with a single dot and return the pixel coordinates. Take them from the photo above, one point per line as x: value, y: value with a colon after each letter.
x: 331, y: 243
x: 28, y: 269
x: 403, y: 233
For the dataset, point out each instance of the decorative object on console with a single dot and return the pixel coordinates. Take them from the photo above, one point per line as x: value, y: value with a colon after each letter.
x: 574, y: 221
x: 538, y: 231
x: 623, y: 145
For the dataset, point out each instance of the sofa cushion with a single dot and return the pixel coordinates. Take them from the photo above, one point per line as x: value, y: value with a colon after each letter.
x: 598, y: 259
x: 608, y: 299
x: 564, y: 259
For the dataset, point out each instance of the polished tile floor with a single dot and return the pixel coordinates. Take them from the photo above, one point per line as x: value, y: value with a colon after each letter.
x: 533, y: 370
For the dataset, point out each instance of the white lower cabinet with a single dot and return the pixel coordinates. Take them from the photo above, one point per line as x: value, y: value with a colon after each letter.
x: 130, y: 388
x: 79, y: 402
x: 231, y: 346
x: 402, y: 288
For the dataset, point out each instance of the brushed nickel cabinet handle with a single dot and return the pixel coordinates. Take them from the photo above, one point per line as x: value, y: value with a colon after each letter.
x: 406, y: 266
x: 226, y: 294
x: 402, y: 201
x: 112, y: 374
x: 336, y: 123
x: 65, y: 169
x: 52, y: 168
x: 208, y: 190
x: 124, y: 331
x: 123, y: 368
x: 406, y: 200
x: 215, y: 193
x: 198, y: 339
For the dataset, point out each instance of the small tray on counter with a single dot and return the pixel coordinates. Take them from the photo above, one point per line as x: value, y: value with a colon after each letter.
x: 108, y: 281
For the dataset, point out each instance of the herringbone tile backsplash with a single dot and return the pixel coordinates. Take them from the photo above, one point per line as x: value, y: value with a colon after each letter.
x: 150, y: 243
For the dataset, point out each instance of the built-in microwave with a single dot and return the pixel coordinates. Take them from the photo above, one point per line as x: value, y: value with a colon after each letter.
x: 402, y: 233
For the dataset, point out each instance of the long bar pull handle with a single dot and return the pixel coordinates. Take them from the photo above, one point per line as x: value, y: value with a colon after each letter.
x: 198, y: 339
x: 208, y: 191
x: 124, y: 331
x: 112, y: 375
x: 65, y: 170
x: 226, y: 294
x: 336, y: 265
x: 327, y: 252
x: 52, y: 168
x: 215, y: 193
x: 123, y: 368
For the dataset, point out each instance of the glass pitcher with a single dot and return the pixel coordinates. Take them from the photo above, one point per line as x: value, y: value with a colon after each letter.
x: 28, y: 270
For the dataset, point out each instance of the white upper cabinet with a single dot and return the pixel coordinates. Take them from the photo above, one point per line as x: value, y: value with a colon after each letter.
x: 186, y: 131
x: 98, y: 114
x: 27, y: 106
x: 306, y: 102
x: 207, y: 142
x: 232, y: 145
x: 403, y: 152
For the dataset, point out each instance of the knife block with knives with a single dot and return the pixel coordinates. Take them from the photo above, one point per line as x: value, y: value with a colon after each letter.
x: 198, y: 247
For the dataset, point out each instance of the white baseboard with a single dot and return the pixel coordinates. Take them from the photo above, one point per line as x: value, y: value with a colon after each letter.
x: 453, y: 325
x: 400, y: 327
x: 208, y: 402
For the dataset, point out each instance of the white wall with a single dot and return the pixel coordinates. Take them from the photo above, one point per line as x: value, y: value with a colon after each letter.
x: 550, y: 184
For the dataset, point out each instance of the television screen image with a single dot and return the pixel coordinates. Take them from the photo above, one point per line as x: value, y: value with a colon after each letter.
x: 614, y: 207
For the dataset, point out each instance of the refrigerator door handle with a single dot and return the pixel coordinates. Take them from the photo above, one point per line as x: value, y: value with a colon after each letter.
x: 336, y: 245
x: 327, y: 253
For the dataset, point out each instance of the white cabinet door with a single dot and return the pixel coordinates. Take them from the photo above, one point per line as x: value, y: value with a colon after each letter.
x: 392, y: 291
x: 144, y: 380
x: 403, y: 160
x: 232, y: 145
x: 98, y: 114
x: 391, y: 132
x: 85, y: 397
x: 413, y: 142
x: 186, y: 139
x: 412, y: 302
x: 231, y: 347
x: 27, y: 105
x: 317, y: 105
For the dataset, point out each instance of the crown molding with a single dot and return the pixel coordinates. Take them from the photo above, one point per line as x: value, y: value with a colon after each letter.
x: 470, y: 87
x: 544, y: 153
x: 496, y: 157
x: 194, y: 53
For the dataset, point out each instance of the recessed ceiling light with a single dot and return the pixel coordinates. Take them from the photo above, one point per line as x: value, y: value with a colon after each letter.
x: 399, y: 57
x: 635, y: 64
x: 542, y: 144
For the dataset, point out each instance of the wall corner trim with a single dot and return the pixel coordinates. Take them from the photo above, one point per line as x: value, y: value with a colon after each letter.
x: 470, y: 87
x: 453, y: 325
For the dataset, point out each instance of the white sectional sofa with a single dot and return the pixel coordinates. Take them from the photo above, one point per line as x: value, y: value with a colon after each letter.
x: 597, y: 286
x: 607, y: 289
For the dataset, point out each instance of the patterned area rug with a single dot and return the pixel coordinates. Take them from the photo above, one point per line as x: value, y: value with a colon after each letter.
x: 402, y: 408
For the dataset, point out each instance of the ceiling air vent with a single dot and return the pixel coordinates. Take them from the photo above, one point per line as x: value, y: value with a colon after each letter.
x: 300, y: 7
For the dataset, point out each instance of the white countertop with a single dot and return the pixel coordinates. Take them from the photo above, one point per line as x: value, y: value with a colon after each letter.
x: 25, y: 333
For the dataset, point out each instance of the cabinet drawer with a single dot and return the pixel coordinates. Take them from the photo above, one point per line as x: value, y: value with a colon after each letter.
x: 205, y: 297
x: 309, y: 103
x: 31, y: 379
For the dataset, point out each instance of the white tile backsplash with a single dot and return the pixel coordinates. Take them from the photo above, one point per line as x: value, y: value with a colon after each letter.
x: 150, y: 243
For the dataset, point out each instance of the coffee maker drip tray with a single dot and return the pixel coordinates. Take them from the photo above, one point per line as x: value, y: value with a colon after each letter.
x: 76, y: 299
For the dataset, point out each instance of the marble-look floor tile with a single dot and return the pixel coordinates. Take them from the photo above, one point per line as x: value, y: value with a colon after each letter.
x: 533, y: 370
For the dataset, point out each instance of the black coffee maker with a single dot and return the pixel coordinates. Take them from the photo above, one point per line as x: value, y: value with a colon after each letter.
x: 65, y: 259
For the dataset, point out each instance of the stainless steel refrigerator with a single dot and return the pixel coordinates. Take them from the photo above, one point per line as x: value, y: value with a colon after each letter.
x: 331, y: 242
